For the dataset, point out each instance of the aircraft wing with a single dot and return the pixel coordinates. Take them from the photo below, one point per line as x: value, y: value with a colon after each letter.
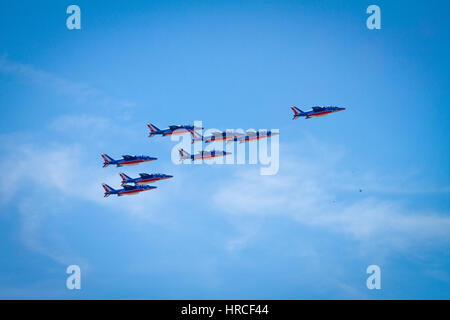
x: 128, y: 187
x: 317, y: 109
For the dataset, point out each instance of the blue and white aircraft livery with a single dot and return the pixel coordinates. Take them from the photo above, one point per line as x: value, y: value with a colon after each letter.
x: 172, y: 130
x: 315, y: 111
x: 202, y: 155
x: 126, y: 161
x: 127, y: 190
x: 144, y: 178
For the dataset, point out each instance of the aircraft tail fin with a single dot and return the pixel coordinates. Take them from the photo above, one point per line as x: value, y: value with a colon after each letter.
x: 108, y: 189
x: 297, y: 112
x: 124, y: 177
x: 184, y: 154
x: 153, y: 129
x: 107, y: 159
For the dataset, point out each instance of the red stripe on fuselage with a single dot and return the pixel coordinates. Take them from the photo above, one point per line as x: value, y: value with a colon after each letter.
x: 178, y: 132
x: 323, y: 113
x: 209, y: 157
x: 132, y: 162
x: 148, y: 180
x: 128, y: 192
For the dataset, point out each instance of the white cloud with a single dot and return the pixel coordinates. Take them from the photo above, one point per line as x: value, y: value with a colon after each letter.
x: 67, y: 170
x: 58, y: 84
x: 304, y: 191
x: 81, y: 92
x: 39, y: 177
x: 310, y: 193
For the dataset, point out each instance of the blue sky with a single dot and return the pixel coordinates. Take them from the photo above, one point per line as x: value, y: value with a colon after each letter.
x: 225, y: 231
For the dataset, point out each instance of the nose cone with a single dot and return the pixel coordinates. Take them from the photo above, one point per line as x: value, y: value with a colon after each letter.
x: 151, y: 158
x: 167, y: 176
x: 341, y: 109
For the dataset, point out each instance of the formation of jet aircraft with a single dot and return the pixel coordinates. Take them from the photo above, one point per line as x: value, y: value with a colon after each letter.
x: 144, y: 178
x: 140, y: 183
x: 127, y: 190
x: 231, y: 136
x: 126, y: 160
x: 172, y: 130
x: 315, y: 111
x: 202, y: 155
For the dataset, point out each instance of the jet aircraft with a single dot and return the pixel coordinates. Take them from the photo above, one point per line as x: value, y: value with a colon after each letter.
x: 254, y: 135
x: 172, y: 130
x: 216, y: 136
x: 127, y: 190
x: 126, y: 161
x: 315, y: 111
x: 143, y: 178
x: 202, y: 155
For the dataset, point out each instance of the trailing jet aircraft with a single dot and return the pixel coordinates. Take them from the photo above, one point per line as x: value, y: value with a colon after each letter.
x: 127, y: 190
x: 172, y: 130
x: 126, y: 161
x: 254, y: 135
x: 202, y: 155
x: 315, y: 112
x: 216, y: 136
x: 144, y: 178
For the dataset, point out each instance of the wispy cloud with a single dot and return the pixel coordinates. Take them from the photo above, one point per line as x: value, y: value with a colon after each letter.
x: 42, y: 240
x: 79, y: 91
x: 310, y: 193
x: 64, y: 169
x: 306, y: 191
x: 40, y: 176
x: 58, y: 84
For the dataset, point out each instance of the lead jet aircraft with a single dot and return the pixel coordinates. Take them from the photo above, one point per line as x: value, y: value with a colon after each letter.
x: 172, y: 130
x: 127, y: 190
x: 216, y: 136
x: 202, y: 155
x: 144, y: 178
x: 126, y: 161
x: 315, y: 112
x: 254, y: 135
